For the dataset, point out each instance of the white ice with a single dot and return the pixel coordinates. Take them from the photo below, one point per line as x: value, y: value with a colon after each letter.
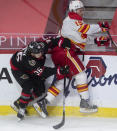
x: 36, y: 123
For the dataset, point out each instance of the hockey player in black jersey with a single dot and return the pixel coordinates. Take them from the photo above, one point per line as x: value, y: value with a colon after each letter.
x: 27, y: 67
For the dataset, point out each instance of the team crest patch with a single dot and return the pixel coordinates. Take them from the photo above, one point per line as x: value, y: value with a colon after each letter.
x: 24, y: 76
x: 32, y: 62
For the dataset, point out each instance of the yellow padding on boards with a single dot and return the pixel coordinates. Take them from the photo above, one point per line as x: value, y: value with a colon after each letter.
x: 70, y: 111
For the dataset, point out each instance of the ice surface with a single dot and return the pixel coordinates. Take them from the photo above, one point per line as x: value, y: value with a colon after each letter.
x: 36, y: 123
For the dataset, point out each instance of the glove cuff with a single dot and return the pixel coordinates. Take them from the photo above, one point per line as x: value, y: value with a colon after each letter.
x: 59, y: 75
x: 58, y: 71
x: 102, y: 41
x: 60, y: 42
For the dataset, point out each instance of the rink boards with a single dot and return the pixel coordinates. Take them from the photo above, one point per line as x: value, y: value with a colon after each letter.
x: 101, y: 69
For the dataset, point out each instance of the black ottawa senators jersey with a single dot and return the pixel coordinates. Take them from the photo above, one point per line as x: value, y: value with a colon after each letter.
x: 30, y: 65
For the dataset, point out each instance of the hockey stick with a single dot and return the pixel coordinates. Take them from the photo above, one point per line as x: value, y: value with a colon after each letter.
x: 65, y: 93
x: 110, y: 37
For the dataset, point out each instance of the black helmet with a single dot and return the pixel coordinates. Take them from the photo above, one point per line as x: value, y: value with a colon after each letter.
x: 36, y: 47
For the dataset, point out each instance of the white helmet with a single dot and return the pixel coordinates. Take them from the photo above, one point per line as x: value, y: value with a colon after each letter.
x: 74, y: 5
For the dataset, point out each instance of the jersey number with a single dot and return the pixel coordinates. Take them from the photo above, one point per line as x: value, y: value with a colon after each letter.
x: 19, y: 56
x: 38, y: 71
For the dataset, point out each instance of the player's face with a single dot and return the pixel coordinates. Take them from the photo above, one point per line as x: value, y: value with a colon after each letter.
x: 39, y: 55
x: 80, y: 11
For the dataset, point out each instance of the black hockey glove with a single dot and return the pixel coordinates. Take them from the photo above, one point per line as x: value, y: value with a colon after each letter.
x: 61, y: 71
x: 64, y: 70
x: 66, y: 43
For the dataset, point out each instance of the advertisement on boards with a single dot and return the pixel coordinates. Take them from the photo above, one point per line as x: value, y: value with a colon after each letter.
x: 102, y: 80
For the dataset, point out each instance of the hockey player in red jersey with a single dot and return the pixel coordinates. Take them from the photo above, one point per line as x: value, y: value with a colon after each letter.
x: 76, y: 31
x: 27, y: 67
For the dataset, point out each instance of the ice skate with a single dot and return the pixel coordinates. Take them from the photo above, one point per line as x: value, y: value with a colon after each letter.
x: 85, y: 107
x: 15, y: 106
x: 41, y: 108
x: 21, y: 114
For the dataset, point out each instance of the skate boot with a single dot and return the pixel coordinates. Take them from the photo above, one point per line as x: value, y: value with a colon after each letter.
x: 41, y: 108
x: 21, y: 114
x: 85, y: 107
x: 15, y: 106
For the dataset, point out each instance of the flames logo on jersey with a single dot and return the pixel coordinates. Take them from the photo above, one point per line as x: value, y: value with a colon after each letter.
x: 96, y: 67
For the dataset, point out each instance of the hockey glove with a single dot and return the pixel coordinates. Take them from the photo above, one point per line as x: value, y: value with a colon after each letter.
x: 104, y: 26
x: 64, y: 70
x: 64, y: 43
x: 102, y: 41
x: 61, y: 71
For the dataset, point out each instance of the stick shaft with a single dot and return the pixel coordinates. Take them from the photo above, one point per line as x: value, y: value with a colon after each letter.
x: 110, y: 37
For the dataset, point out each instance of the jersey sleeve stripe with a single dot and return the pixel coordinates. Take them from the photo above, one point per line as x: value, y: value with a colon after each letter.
x: 84, y: 28
x: 81, y: 45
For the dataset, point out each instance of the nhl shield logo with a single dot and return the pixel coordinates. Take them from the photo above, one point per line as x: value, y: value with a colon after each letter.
x: 32, y: 62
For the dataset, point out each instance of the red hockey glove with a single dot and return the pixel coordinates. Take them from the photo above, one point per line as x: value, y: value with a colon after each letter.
x: 61, y: 71
x: 104, y: 26
x: 102, y: 41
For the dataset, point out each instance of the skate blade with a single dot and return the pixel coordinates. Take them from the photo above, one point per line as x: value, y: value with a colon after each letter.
x: 38, y: 110
x: 20, y: 119
x: 85, y: 110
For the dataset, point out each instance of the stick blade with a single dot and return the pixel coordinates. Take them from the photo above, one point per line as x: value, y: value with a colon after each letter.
x: 60, y: 124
